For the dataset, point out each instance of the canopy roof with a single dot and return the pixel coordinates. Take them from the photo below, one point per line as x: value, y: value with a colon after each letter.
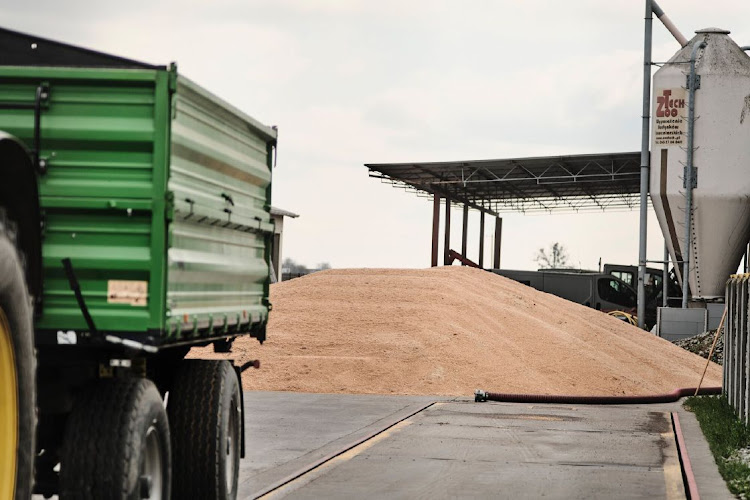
x: 548, y: 183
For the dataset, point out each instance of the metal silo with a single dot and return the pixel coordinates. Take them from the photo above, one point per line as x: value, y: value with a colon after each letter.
x: 720, y: 212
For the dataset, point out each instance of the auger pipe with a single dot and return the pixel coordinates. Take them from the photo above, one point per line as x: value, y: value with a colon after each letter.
x: 671, y: 397
x: 668, y: 24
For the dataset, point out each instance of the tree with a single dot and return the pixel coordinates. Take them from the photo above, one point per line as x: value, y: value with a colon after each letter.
x: 293, y: 267
x: 553, y: 258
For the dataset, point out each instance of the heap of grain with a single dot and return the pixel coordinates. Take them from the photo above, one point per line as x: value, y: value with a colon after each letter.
x: 449, y: 330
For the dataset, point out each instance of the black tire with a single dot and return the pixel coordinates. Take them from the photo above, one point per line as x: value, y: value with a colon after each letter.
x: 204, y: 414
x: 109, y: 438
x: 17, y: 327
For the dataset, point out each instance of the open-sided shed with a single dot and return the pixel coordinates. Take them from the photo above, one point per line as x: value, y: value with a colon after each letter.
x: 570, y: 183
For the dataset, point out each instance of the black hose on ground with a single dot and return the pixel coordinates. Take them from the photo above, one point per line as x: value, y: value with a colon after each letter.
x: 481, y: 396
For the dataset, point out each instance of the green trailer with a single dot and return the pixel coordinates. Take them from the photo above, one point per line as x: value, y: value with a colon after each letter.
x: 136, y: 207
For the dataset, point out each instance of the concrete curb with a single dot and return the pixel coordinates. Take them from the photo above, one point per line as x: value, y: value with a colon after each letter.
x: 709, y: 481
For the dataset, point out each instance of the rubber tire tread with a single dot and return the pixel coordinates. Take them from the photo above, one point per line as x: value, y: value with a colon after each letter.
x: 104, y: 440
x: 15, y: 303
x: 198, y: 407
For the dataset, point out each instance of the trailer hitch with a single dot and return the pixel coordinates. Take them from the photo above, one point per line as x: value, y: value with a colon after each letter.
x: 255, y: 363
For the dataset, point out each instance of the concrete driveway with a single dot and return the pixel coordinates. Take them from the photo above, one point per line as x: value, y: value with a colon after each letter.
x: 355, y: 446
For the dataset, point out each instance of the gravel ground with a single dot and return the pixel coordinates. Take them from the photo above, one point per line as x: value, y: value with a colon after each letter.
x: 701, y: 345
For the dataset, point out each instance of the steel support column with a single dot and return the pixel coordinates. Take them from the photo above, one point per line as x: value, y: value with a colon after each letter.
x: 498, y: 241
x: 645, y: 164
x: 464, y: 234
x: 435, y: 229
x: 481, y: 240
x: 447, y: 240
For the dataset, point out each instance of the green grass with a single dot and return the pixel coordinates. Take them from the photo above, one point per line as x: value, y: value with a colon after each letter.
x: 725, y: 434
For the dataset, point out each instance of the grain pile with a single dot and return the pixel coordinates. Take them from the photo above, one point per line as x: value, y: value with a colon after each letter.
x: 447, y: 331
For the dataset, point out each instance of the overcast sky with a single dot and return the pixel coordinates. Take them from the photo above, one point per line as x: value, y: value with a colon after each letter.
x: 352, y: 82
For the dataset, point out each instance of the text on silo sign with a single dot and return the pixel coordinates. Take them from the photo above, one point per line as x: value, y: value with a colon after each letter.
x: 669, y: 125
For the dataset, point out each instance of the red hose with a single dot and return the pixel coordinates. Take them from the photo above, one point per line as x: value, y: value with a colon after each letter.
x: 671, y: 397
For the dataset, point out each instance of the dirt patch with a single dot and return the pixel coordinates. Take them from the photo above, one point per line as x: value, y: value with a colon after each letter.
x: 448, y: 331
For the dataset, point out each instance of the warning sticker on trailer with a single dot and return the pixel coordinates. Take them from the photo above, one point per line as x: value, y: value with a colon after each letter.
x: 130, y: 292
x: 670, y: 120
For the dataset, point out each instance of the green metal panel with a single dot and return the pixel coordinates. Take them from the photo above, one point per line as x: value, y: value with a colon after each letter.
x: 103, y: 134
x: 219, y: 178
x: 150, y: 179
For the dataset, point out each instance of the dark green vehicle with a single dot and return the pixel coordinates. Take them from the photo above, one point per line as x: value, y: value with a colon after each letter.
x: 134, y: 225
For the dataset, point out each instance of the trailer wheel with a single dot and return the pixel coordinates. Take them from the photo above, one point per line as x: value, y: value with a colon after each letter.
x: 116, y: 443
x: 204, y: 414
x: 17, y: 376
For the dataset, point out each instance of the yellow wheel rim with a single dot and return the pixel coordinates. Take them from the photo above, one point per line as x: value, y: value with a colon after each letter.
x: 8, y: 411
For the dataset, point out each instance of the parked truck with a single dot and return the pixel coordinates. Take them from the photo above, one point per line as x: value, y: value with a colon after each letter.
x: 600, y: 291
x: 594, y: 289
x: 134, y: 225
x: 654, y: 284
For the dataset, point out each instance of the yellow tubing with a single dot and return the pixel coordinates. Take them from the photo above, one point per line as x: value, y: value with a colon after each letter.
x: 622, y: 315
x: 8, y: 411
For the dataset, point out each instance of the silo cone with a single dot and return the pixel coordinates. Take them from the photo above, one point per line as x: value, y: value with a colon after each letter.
x: 721, y: 198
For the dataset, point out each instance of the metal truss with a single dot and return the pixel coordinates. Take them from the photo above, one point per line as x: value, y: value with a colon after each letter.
x: 545, y: 184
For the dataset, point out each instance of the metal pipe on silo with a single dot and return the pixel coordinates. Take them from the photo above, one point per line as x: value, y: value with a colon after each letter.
x: 645, y: 162
x: 665, y: 277
x: 668, y: 24
x: 689, y: 172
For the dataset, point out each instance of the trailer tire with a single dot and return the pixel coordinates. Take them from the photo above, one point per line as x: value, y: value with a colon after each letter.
x: 17, y: 373
x: 204, y: 413
x: 116, y: 444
